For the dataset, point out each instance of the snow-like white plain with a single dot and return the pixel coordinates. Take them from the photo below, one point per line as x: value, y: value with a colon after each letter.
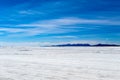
x: 60, y: 63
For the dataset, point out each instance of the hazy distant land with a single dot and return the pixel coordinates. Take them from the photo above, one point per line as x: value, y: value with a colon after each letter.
x: 95, y: 45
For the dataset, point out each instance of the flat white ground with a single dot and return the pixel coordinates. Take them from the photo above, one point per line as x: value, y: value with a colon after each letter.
x: 60, y: 63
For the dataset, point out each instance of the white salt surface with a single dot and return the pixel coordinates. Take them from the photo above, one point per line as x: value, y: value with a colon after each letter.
x: 60, y: 63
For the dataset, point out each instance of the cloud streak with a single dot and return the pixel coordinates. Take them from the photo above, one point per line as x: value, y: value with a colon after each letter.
x: 56, y: 26
x: 70, y: 21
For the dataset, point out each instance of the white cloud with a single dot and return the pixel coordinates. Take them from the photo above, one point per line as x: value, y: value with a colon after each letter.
x: 70, y: 21
x: 12, y: 30
x: 54, y: 26
x: 29, y: 12
x: 67, y: 36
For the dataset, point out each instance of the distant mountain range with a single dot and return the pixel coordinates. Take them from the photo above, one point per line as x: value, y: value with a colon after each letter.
x: 65, y: 45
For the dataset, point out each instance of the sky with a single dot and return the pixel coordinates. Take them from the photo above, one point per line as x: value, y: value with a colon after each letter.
x: 60, y: 21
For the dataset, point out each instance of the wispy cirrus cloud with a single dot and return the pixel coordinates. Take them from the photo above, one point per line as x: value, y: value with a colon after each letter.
x: 12, y: 30
x: 30, y: 12
x: 66, y: 37
x: 70, y: 21
x: 55, y: 26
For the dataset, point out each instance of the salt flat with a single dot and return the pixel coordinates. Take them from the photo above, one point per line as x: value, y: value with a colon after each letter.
x: 60, y: 63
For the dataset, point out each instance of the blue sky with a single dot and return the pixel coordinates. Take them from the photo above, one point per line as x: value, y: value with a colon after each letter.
x: 80, y: 21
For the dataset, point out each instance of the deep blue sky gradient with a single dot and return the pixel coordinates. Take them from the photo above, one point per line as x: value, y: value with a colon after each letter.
x: 60, y: 21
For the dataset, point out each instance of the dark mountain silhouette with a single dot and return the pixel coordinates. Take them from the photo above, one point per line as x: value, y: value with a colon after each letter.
x: 106, y: 45
x: 65, y: 45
